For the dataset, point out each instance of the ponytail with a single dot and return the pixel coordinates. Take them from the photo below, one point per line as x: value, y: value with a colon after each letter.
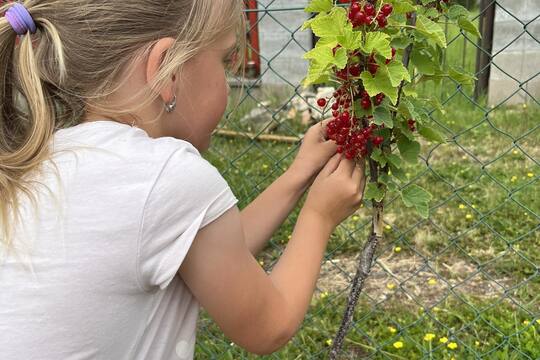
x: 27, y: 117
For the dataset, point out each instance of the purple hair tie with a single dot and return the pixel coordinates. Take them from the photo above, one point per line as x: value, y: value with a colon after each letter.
x: 20, y: 19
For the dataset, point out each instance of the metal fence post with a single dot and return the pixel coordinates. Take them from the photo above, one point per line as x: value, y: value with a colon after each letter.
x: 485, y: 46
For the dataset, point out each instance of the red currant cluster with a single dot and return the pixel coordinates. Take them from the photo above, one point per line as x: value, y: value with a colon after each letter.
x: 365, y: 16
x: 411, y: 124
x: 347, y: 131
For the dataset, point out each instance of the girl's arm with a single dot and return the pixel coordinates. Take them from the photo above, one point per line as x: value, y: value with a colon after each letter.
x: 264, y: 215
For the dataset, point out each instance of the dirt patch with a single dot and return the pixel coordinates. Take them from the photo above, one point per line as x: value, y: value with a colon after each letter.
x: 412, y: 279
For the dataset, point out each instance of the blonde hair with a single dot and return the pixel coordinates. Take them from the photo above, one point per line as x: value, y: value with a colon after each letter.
x: 78, y: 56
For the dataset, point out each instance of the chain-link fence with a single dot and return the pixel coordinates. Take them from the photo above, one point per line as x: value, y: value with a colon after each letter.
x: 462, y: 284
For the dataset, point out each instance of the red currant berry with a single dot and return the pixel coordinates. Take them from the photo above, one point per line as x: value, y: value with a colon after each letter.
x: 369, y: 20
x: 341, y: 139
x: 369, y: 9
x: 378, y: 140
x: 355, y: 7
x: 373, y: 68
x: 381, y: 21
x: 387, y: 9
x: 359, y: 18
x: 365, y: 103
x: 340, y: 149
x: 355, y: 70
x: 335, y: 106
x: 321, y: 102
x: 350, y: 154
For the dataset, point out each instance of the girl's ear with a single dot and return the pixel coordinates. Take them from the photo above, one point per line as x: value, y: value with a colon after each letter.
x: 154, y: 60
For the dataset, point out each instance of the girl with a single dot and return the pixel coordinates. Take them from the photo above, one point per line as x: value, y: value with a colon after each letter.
x: 114, y: 227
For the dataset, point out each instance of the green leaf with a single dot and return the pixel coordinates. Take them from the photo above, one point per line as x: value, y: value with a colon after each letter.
x: 460, y: 76
x: 430, y: 133
x: 307, y: 24
x: 416, y: 196
x: 373, y: 192
x: 377, y: 155
x: 319, y: 6
x: 424, y: 63
x: 394, y: 160
x: 409, y: 149
x: 332, y: 24
x: 402, y: 7
x: 431, y: 29
x: 379, y: 42
x: 468, y: 26
x: 398, y: 173
x: 381, y: 115
x: 322, y: 58
x: 457, y: 11
x: 397, y: 73
x: 409, y: 90
x: 350, y: 40
x: 380, y: 83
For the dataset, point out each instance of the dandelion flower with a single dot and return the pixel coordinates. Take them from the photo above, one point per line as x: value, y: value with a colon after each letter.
x: 530, y: 174
x: 464, y: 157
x: 515, y: 152
x: 513, y: 178
x: 477, y: 343
x: 526, y: 322
x: 324, y: 294
x: 443, y: 340
x: 398, y: 344
x: 392, y: 329
x: 432, y: 281
x: 468, y: 216
x: 390, y: 285
x: 397, y: 249
x: 356, y: 218
x: 429, y: 337
x: 388, y: 227
x: 436, y: 309
x: 461, y: 206
x: 329, y: 342
x: 265, y: 166
x: 473, y: 206
x: 452, y: 346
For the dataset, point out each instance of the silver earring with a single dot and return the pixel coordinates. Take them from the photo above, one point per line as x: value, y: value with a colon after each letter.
x: 170, y: 107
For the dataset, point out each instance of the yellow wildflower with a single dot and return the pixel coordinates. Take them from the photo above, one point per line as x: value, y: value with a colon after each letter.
x: 388, y: 227
x: 432, y: 281
x: 464, y: 157
x: 392, y: 329
x: 397, y: 249
x: 329, y: 342
x: 526, y: 322
x: 473, y: 206
x: 436, y: 309
x: 324, y: 294
x: 265, y: 166
x: 515, y: 152
x: 468, y: 216
x: 429, y: 337
x: 398, y: 344
x: 443, y: 340
x: 461, y: 206
x: 356, y: 218
x: 477, y: 343
x: 538, y: 321
x: 530, y: 174
x: 452, y: 346
x: 390, y: 285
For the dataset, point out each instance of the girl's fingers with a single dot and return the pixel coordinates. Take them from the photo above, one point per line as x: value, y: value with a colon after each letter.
x: 331, y: 165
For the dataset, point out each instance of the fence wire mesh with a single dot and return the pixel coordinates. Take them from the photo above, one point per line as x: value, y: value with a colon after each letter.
x: 462, y: 284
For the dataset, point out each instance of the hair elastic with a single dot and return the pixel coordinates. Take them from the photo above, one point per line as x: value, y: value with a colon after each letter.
x: 20, y: 19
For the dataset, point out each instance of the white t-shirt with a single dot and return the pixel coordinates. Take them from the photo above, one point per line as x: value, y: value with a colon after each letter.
x: 101, y: 279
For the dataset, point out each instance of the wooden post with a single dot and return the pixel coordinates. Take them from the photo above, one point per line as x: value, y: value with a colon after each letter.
x: 485, y: 44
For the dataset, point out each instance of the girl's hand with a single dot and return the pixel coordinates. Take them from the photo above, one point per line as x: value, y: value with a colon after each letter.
x: 314, y: 152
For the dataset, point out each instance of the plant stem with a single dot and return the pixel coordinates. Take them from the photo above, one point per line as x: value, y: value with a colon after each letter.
x: 368, y: 252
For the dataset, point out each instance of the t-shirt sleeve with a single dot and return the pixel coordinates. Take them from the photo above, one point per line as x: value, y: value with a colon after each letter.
x: 188, y: 194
